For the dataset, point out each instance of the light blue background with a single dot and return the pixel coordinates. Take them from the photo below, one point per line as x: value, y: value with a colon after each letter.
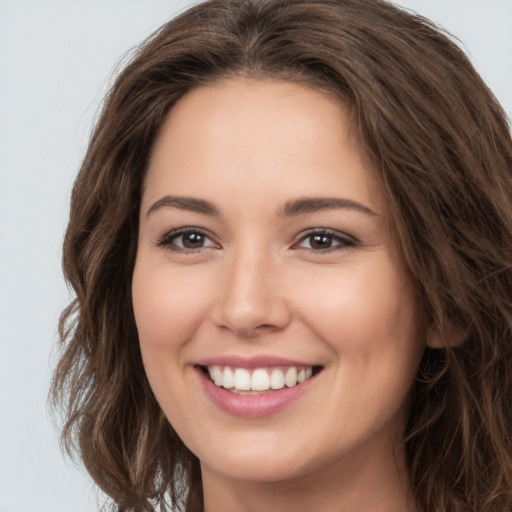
x: 56, y: 58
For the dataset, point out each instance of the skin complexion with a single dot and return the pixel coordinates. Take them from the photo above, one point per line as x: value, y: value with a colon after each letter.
x: 279, y: 329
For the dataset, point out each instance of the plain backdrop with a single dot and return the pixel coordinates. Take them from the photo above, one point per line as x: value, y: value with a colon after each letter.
x: 56, y: 60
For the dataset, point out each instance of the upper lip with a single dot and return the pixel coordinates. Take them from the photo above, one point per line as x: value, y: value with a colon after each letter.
x: 252, y: 362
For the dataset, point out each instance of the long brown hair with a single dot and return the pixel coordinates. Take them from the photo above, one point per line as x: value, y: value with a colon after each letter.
x: 442, y: 147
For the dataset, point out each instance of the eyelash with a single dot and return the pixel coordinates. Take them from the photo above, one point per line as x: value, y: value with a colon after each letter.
x: 168, y: 239
x: 343, y: 241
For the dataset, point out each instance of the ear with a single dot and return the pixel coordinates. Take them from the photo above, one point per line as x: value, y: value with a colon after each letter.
x: 449, y: 337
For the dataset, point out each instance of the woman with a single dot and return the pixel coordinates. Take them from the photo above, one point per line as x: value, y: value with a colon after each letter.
x: 290, y: 243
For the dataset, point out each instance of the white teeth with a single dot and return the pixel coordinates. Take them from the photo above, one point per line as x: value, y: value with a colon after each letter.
x: 261, y: 379
x: 277, y: 379
x: 290, y: 379
x: 242, y: 379
x: 228, y: 379
x: 216, y: 375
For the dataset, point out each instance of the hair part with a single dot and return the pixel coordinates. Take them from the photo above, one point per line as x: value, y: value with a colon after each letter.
x: 440, y: 144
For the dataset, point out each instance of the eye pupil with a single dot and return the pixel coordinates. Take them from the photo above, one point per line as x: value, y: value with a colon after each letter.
x: 193, y: 240
x: 320, y: 241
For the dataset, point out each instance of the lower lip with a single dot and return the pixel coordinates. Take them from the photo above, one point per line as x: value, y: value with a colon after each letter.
x: 253, y: 406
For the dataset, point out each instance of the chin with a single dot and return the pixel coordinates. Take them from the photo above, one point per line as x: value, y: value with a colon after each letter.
x: 256, y: 463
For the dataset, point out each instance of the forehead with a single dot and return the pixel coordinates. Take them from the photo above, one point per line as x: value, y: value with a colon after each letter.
x: 271, y: 137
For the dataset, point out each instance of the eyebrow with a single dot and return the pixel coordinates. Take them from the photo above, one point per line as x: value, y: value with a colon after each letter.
x: 190, y: 204
x: 289, y: 209
x: 316, y: 204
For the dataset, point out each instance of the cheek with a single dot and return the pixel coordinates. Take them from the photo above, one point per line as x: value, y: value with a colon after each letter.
x: 368, y: 317
x: 364, y: 307
x: 168, y: 310
x: 167, y: 305
x: 370, y: 323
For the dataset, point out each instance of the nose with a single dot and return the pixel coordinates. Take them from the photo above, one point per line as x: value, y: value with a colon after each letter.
x: 252, y: 299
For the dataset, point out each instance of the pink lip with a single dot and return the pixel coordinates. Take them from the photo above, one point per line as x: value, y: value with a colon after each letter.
x: 251, y: 362
x: 252, y: 406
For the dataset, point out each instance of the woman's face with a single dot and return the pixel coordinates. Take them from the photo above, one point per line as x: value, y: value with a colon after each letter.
x: 264, y: 259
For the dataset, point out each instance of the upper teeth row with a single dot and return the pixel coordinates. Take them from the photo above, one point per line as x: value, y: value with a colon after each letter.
x: 261, y: 379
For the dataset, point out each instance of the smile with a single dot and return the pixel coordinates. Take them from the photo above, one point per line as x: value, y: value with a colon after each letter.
x: 257, y: 387
x: 257, y: 380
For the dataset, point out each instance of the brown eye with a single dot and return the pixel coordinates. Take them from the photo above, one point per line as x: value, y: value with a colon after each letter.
x: 320, y: 241
x: 186, y: 240
x: 192, y: 240
x: 324, y: 241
